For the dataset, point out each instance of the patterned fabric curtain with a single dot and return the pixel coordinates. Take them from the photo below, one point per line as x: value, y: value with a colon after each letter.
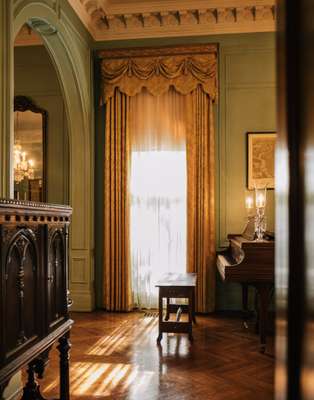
x: 183, y: 68
x: 192, y: 71
x: 201, y: 198
x: 117, y: 290
x: 158, y: 191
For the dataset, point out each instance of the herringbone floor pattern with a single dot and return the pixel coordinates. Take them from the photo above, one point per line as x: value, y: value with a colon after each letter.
x: 115, y: 356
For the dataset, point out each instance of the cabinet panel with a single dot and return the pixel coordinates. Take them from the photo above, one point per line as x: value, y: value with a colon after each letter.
x: 33, y: 290
x: 57, y: 301
x: 21, y: 293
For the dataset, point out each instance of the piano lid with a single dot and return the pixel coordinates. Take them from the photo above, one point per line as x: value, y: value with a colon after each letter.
x: 241, y: 242
x: 247, y: 260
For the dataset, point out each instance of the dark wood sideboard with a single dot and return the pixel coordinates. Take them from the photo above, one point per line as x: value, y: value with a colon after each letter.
x: 34, y: 295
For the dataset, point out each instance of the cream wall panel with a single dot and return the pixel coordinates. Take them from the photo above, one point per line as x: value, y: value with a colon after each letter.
x: 248, y: 68
x: 78, y: 272
x: 82, y: 300
x: 81, y: 278
x: 247, y: 103
x: 250, y: 109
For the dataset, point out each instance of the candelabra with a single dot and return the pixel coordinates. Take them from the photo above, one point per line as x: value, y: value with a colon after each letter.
x: 249, y: 230
x: 260, y: 217
x: 256, y: 225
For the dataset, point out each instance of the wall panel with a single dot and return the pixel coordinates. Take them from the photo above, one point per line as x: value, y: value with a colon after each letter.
x: 247, y: 103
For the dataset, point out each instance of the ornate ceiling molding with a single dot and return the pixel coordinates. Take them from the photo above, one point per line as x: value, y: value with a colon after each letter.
x: 121, y: 19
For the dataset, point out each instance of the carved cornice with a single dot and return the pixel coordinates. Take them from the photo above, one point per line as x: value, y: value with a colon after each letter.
x: 29, y: 212
x: 132, y: 69
x: 110, y: 20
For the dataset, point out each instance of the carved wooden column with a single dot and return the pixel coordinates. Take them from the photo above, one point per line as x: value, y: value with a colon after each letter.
x: 31, y: 389
x: 64, y: 348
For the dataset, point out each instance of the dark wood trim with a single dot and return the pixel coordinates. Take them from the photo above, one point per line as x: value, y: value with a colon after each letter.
x: 64, y: 348
x: 10, y: 207
x: 173, y: 288
x: 34, y: 352
x: 34, y: 296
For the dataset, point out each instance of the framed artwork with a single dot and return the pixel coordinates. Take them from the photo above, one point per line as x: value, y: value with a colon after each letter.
x: 261, y: 159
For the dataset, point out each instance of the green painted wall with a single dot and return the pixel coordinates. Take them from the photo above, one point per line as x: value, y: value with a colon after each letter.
x: 246, y: 102
x: 35, y: 77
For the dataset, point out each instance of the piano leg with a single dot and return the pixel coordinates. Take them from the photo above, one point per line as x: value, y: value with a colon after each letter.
x: 256, y: 307
x: 167, y: 310
x: 64, y: 348
x: 264, y: 291
x: 245, y: 304
x: 193, y: 307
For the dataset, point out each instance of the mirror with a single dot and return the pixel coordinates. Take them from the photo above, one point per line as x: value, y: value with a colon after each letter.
x: 30, y: 125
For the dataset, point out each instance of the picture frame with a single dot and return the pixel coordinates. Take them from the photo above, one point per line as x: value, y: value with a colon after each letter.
x: 261, y: 159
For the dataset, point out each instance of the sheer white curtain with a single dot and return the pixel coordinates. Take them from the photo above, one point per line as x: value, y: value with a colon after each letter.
x: 158, y: 191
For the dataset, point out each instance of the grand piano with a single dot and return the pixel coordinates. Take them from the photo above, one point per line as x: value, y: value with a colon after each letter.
x: 250, y: 262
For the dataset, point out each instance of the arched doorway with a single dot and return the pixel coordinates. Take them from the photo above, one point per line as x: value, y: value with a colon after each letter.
x: 70, y: 55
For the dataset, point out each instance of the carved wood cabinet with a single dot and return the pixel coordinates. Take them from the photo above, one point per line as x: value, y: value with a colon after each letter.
x: 34, y: 296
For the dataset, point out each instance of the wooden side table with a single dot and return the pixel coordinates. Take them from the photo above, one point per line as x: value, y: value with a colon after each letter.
x: 176, y: 286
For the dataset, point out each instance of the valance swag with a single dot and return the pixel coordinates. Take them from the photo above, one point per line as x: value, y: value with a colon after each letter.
x: 157, y: 69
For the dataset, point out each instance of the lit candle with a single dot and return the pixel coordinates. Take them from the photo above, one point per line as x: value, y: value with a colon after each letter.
x: 260, y: 200
x: 249, y: 202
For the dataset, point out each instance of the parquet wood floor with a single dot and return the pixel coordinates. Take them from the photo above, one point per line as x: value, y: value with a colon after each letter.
x: 115, y: 356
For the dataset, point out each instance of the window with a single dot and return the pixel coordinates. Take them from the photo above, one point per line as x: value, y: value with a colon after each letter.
x: 158, y: 220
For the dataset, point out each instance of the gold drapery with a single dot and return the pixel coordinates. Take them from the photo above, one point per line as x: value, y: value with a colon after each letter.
x: 117, y: 290
x: 201, y: 198
x: 157, y: 70
x: 158, y: 191
x: 158, y: 123
x: 192, y: 71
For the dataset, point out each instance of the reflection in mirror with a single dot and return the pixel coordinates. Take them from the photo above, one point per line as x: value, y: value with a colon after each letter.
x: 29, y: 150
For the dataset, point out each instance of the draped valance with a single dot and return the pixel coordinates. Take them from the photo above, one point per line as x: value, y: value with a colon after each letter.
x: 157, y: 69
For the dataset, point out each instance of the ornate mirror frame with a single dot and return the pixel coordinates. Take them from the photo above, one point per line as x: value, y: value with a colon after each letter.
x: 23, y: 103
